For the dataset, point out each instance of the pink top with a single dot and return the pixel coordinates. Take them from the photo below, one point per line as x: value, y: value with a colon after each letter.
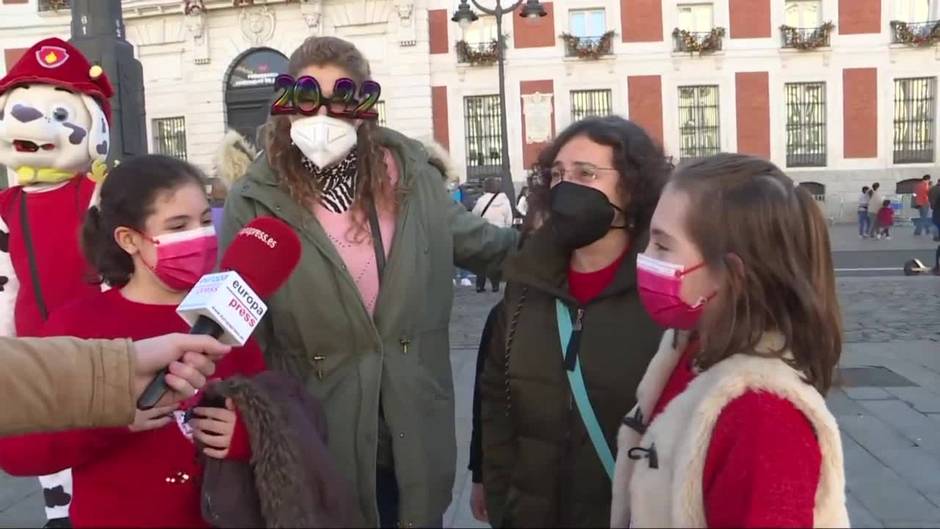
x: 359, y: 256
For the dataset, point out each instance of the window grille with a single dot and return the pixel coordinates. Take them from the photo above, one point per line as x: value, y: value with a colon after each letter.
x: 587, y: 103
x: 699, y: 121
x: 914, y: 109
x: 169, y: 137
x: 806, y: 124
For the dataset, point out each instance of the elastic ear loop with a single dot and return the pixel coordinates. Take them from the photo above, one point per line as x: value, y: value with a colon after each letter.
x: 702, y: 300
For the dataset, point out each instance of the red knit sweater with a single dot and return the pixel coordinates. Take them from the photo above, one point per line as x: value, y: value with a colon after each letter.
x: 120, y: 478
x: 763, y: 463
x: 585, y: 286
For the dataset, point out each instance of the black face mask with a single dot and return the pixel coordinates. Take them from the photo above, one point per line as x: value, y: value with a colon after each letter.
x: 581, y: 215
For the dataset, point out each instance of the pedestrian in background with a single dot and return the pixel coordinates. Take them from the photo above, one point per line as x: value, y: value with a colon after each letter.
x: 934, y: 197
x: 731, y: 427
x: 863, y: 223
x: 875, y: 199
x: 522, y: 205
x: 885, y: 220
x: 494, y: 206
x: 922, y: 202
x: 571, y: 330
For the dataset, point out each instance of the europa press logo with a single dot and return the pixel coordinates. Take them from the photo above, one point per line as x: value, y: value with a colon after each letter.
x: 305, y: 96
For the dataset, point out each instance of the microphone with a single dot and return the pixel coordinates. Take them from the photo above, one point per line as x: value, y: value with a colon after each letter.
x: 228, y: 305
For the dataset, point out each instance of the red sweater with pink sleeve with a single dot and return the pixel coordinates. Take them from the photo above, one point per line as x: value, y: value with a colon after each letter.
x: 120, y: 478
x: 763, y: 464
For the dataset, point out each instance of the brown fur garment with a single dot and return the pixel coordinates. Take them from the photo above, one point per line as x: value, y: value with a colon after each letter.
x: 295, y: 482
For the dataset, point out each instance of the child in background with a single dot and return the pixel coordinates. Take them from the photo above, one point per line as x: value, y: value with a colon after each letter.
x: 151, y: 239
x: 885, y: 220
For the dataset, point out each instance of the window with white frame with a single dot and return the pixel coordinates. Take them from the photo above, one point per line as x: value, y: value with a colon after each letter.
x: 587, y: 24
x: 482, y: 32
x: 699, y: 121
x: 803, y: 13
x: 806, y: 124
x: 914, y: 116
x: 169, y: 137
x: 911, y: 11
x: 697, y: 18
x: 587, y: 103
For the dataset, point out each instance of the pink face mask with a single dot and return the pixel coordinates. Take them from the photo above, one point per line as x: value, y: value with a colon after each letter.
x: 184, y: 257
x: 660, y: 285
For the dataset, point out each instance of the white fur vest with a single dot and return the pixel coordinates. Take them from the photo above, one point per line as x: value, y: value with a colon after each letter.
x: 671, y: 494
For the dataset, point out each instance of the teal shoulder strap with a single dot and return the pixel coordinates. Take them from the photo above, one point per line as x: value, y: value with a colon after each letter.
x: 579, y: 392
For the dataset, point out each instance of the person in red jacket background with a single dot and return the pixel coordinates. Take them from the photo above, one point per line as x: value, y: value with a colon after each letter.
x: 885, y: 220
x: 151, y: 239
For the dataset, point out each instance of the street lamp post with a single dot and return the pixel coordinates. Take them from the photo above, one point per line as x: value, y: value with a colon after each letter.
x: 464, y: 16
x: 98, y: 31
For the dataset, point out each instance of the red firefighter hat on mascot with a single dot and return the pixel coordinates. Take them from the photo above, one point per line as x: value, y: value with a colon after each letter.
x: 56, y: 62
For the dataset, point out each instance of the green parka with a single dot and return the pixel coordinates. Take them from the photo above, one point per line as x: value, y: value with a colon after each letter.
x: 318, y: 328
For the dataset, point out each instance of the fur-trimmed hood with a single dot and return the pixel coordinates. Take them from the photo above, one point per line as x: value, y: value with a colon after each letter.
x: 233, y: 157
x: 291, y: 480
x: 440, y: 158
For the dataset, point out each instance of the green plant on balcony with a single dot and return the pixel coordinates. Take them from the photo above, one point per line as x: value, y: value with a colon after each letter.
x: 54, y: 5
x: 803, y: 39
x: 916, y: 35
x: 481, y: 54
x: 590, y: 48
x: 698, y: 42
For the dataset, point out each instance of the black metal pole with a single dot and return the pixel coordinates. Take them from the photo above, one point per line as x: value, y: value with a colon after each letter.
x: 98, y: 31
x: 507, y: 184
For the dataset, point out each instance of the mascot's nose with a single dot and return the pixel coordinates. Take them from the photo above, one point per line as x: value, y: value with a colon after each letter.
x: 25, y: 113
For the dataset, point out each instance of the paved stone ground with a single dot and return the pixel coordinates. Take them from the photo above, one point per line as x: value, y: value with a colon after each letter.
x: 891, y: 434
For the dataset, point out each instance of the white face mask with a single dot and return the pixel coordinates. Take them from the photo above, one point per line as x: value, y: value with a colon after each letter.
x: 322, y: 139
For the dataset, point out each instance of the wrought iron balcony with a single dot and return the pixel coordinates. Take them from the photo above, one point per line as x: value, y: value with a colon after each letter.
x: 588, y: 47
x: 806, y: 38
x: 54, y: 5
x: 477, y: 53
x: 698, y: 42
x: 916, y: 34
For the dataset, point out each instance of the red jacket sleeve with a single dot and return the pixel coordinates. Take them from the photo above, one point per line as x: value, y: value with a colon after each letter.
x: 251, y: 359
x: 763, y: 464
x: 250, y: 362
x: 41, y: 454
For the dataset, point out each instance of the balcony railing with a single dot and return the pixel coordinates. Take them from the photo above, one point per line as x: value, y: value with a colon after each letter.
x: 916, y: 34
x: 698, y: 42
x: 806, y: 38
x: 477, y: 53
x: 54, y: 5
x: 588, y: 47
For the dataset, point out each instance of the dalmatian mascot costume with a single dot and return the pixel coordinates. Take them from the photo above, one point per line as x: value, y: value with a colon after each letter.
x: 54, y: 116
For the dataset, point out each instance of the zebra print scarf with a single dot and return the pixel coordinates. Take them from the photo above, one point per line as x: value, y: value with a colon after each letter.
x: 336, y: 183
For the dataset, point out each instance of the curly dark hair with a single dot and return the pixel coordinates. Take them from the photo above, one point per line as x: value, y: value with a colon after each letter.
x: 127, y: 198
x: 640, y: 162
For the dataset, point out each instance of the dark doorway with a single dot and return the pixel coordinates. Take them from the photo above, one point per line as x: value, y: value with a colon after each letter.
x: 249, y: 89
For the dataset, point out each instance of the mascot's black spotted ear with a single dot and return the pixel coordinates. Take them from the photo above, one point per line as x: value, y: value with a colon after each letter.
x: 98, y: 134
